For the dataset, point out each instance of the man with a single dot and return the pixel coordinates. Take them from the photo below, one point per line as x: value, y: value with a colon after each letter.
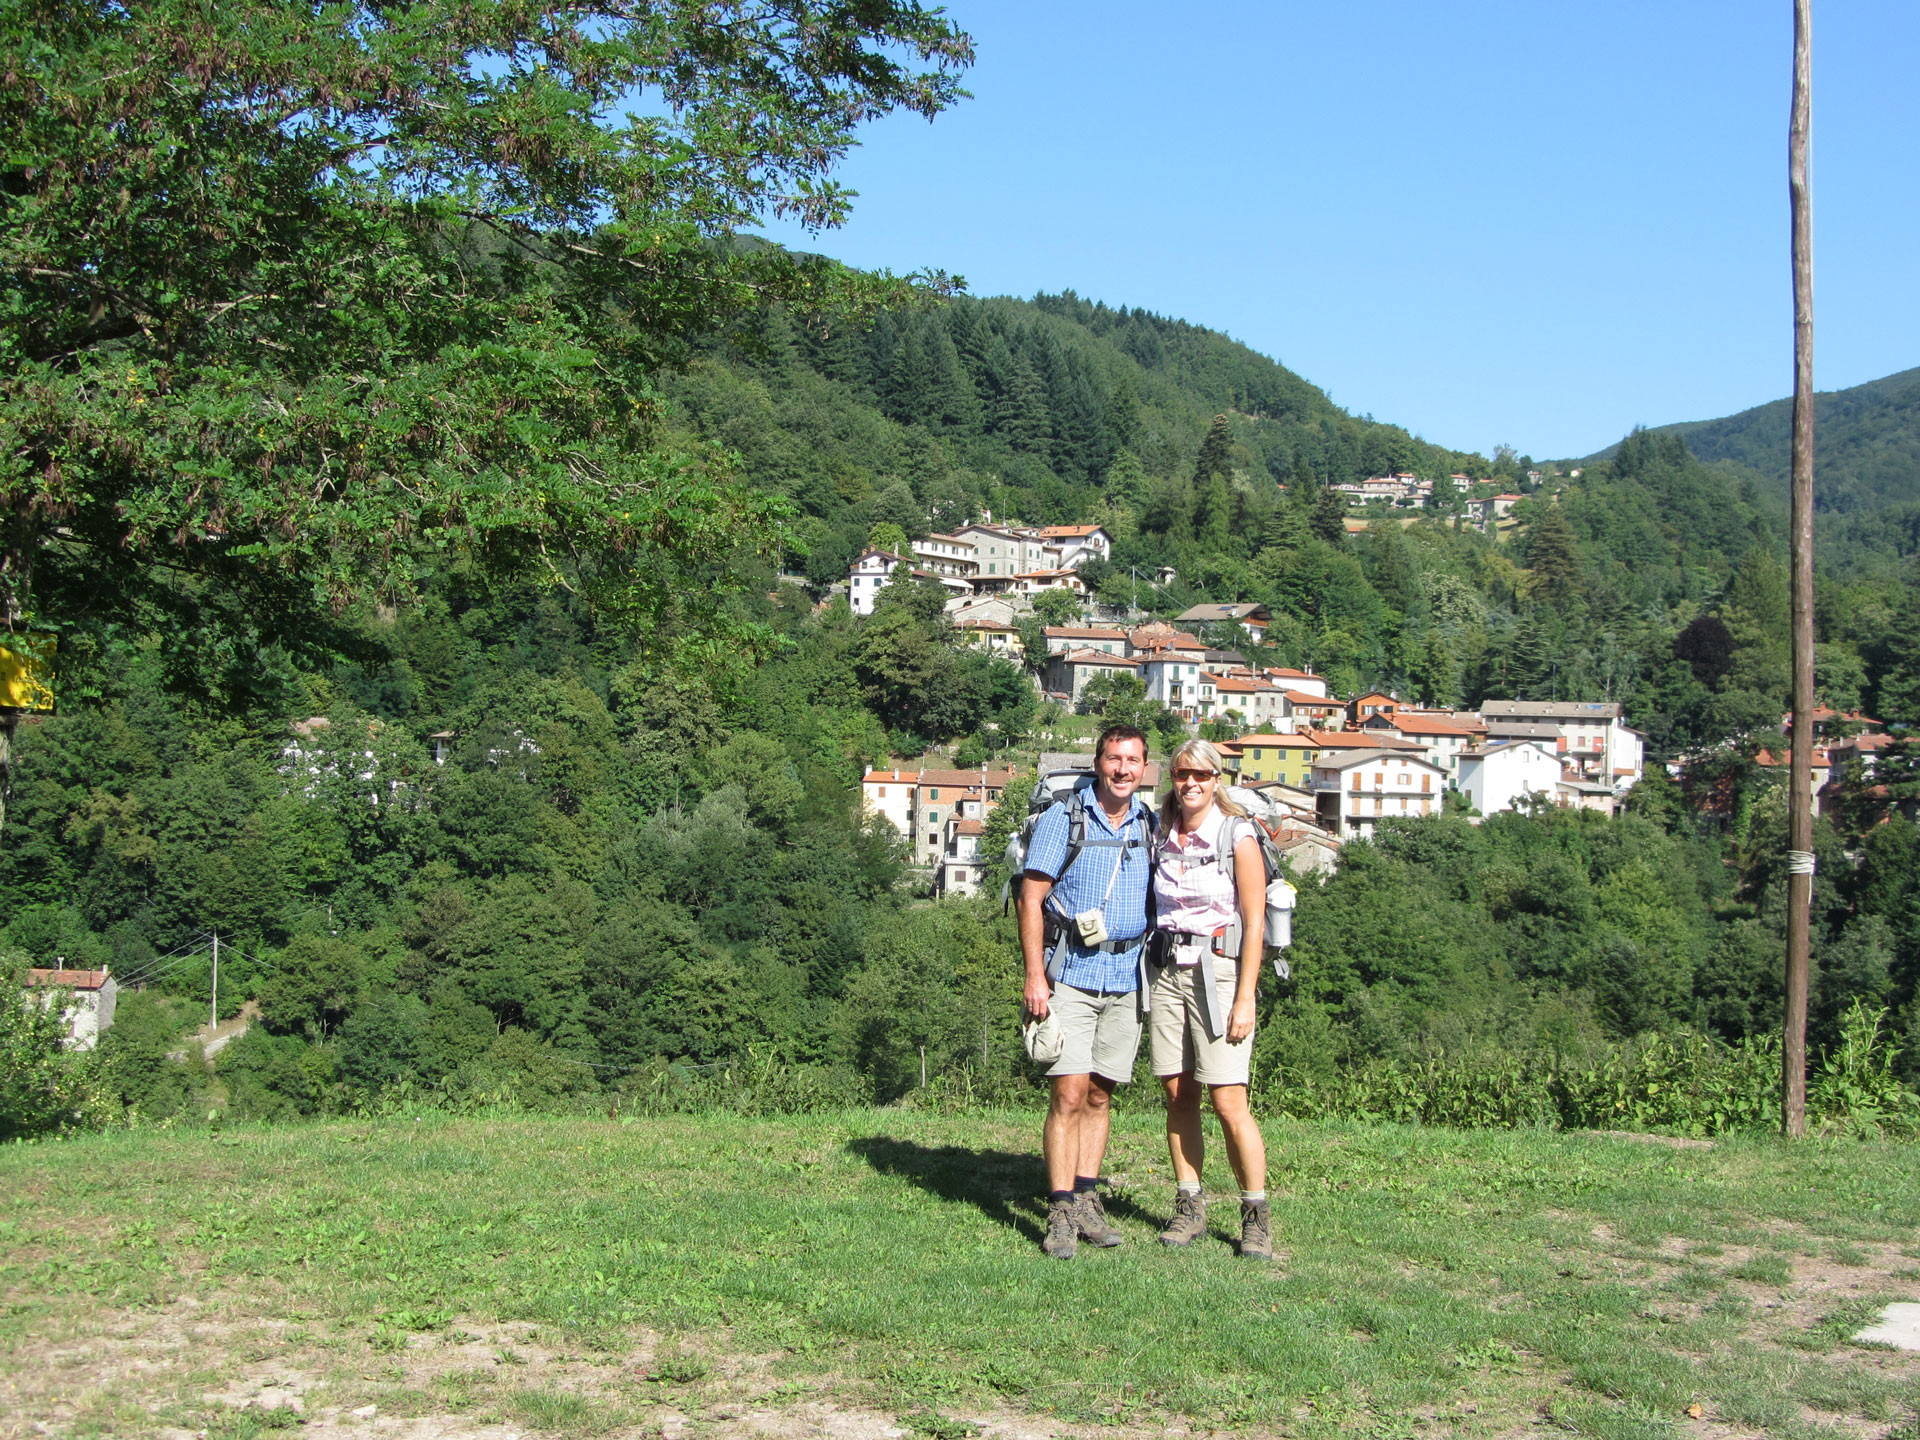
x: 1083, y: 928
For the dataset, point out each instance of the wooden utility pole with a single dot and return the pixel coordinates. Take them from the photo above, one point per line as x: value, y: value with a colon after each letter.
x: 1793, y: 1050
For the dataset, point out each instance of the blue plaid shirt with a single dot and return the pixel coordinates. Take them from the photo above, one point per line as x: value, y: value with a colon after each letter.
x: 1082, y: 886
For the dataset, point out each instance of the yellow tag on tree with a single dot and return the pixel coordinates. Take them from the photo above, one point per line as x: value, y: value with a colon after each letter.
x: 26, y: 672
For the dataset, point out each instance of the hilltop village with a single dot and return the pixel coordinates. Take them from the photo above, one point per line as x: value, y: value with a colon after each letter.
x: 1327, y: 767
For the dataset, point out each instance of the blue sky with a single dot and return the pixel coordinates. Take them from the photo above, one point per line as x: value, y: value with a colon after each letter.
x: 1539, y: 223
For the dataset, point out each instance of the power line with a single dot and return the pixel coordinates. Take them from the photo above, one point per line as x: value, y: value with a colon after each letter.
x: 146, y: 969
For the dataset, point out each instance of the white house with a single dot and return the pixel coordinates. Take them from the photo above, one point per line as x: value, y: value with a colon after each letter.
x: 1590, y: 736
x: 1175, y: 680
x: 889, y: 795
x: 1032, y: 582
x: 89, y: 1004
x: 875, y: 567
x: 946, y: 555
x: 1495, y: 777
x: 1303, y: 681
x: 1258, y: 703
x: 1077, y: 544
x: 1354, y: 790
x: 962, y: 866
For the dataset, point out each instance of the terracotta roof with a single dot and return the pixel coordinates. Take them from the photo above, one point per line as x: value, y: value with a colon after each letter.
x: 970, y: 827
x: 964, y: 777
x: 1772, y: 761
x: 1238, y: 686
x: 1291, y: 674
x: 1301, y: 697
x: 68, y: 979
x: 1043, y: 574
x: 1275, y: 742
x: 1359, y: 740
x: 1867, y: 742
x: 1069, y: 531
x: 1421, y: 725
x: 1083, y: 632
x: 1367, y: 754
x: 1095, y: 657
x: 983, y: 625
x: 889, y: 777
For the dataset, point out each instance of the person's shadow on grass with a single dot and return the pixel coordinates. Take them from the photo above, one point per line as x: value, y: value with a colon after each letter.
x: 1007, y: 1186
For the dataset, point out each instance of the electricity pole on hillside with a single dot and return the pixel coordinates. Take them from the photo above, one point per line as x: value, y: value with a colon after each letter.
x: 1793, y: 1050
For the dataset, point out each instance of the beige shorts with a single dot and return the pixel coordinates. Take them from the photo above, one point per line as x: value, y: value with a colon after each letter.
x: 1099, y: 1034
x: 1181, y: 1045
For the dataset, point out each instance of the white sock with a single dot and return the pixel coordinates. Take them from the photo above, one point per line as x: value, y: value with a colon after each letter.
x: 1188, y: 1187
x: 1253, y: 1196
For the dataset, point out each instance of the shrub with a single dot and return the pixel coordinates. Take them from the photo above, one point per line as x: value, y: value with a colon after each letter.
x: 45, y: 1088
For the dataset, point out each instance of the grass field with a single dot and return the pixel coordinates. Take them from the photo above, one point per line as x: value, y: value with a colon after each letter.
x: 877, y: 1272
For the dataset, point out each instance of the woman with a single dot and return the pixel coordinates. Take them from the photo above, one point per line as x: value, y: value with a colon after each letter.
x: 1209, y: 872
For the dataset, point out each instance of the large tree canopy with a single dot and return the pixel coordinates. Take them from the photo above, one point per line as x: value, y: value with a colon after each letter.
x: 305, y: 300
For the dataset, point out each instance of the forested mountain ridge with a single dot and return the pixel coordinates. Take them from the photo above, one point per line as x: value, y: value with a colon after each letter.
x: 1866, y: 463
x: 1202, y: 456
x: 536, y: 848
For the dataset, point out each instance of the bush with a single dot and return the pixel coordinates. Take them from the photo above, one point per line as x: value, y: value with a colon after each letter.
x: 1685, y: 1083
x: 45, y: 1088
x: 142, y: 1056
x: 275, y: 1077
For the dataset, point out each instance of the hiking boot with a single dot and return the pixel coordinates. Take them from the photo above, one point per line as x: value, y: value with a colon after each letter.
x: 1094, y: 1228
x: 1256, y: 1230
x: 1189, y: 1221
x: 1063, y: 1228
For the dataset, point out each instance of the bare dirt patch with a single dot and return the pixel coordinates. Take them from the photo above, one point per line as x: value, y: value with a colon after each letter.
x: 200, y: 1371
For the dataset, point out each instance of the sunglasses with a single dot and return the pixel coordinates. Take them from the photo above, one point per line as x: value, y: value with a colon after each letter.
x: 1183, y: 776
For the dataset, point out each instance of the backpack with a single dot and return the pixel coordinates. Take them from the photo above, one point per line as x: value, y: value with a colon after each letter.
x: 1072, y: 788
x: 1280, y: 893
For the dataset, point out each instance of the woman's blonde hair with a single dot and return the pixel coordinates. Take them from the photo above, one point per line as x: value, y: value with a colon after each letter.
x: 1199, y: 754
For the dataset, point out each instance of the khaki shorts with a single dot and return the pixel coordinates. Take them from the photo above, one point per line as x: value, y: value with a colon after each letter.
x: 1181, y: 1045
x: 1099, y: 1034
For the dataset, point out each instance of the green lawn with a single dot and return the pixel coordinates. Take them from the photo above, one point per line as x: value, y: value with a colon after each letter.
x: 584, y: 1276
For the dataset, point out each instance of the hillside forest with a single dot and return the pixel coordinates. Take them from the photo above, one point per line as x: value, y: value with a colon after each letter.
x: 509, y: 849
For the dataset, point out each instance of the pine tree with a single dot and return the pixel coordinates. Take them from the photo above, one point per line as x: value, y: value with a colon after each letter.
x: 1213, y: 516
x: 1121, y: 417
x: 1286, y: 528
x: 1022, y: 416
x: 908, y: 387
x: 949, y: 401
x: 1553, y: 558
x: 1897, y: 664
x: 1126, y: 479
x: 1329, y: 520
x: 1216, y: 452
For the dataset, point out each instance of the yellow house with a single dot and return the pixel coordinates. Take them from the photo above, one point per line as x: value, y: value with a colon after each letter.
x: 1286, y: 758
